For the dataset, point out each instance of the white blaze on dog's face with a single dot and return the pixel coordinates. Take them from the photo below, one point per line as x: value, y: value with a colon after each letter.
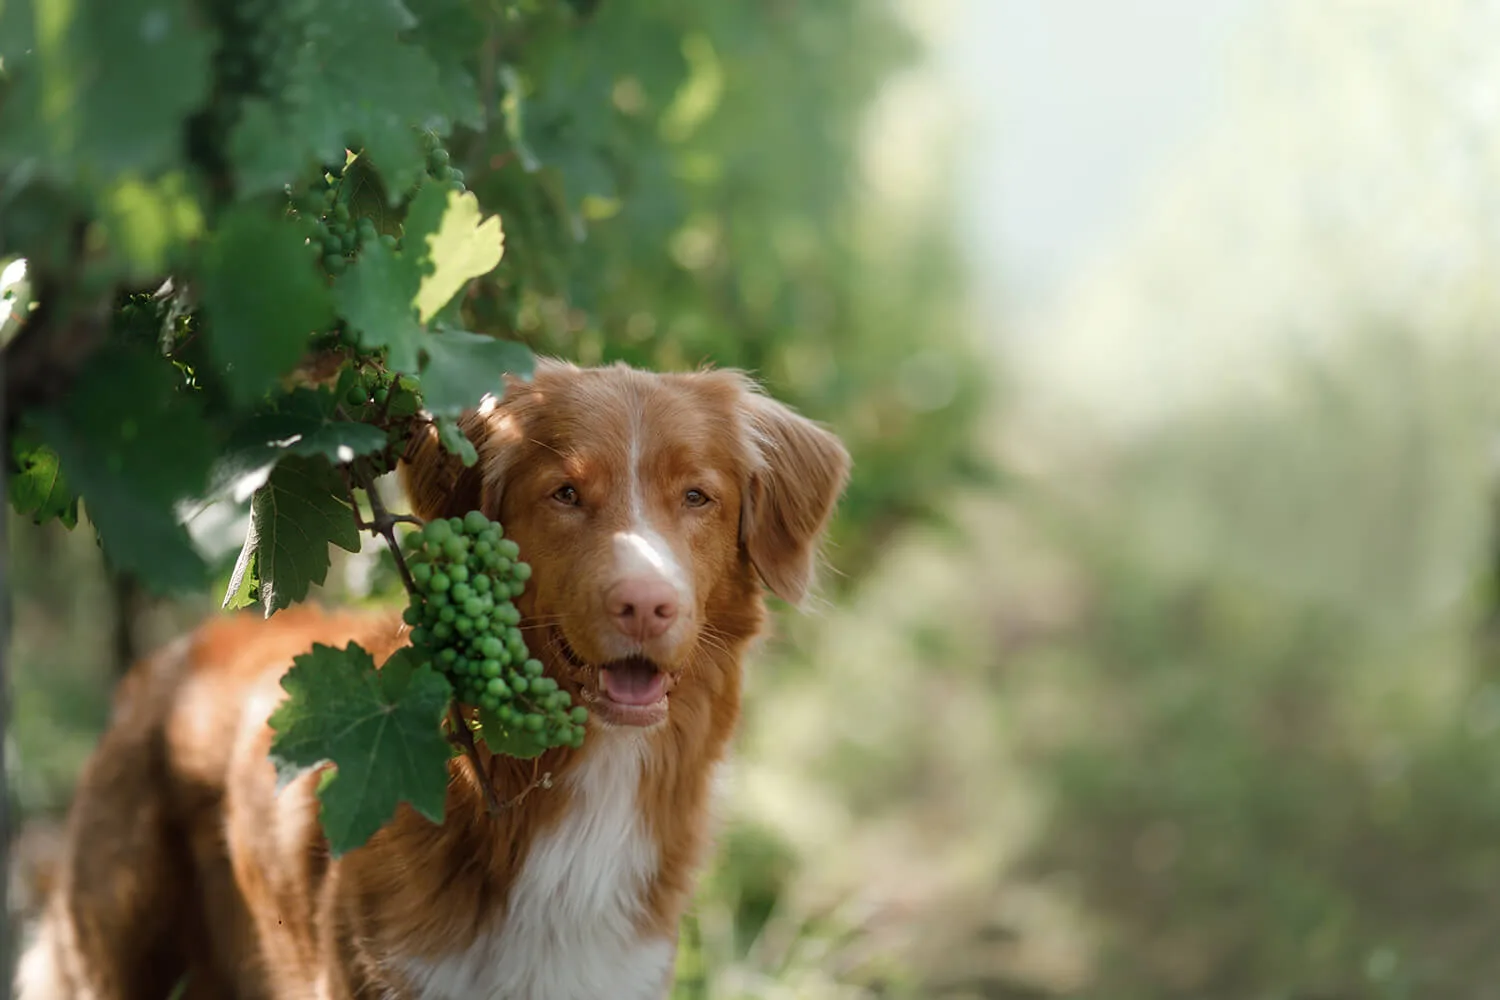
x: 651, y: 508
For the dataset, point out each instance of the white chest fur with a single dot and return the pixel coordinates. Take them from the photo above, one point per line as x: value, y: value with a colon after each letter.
x: 570, y: 930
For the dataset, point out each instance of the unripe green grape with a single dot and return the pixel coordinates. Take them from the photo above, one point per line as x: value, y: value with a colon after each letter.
x: 412, y: 616
x: 447, y: 613
x: 533, y: 667
x: 462, y: 592
x: 442, y: 630
x: 491, y: 669
x: 437, y: 532
x: 533, y: 722
x: 419, y: 636
x: 579, y: 715
x: 481, y: 583
x: 522, y: 571
x: 473, y: 607
x: 475, y: 523
x: 381, y: 395
x: 458, y: 573
x: 440, y: 582
x: 489, y: 701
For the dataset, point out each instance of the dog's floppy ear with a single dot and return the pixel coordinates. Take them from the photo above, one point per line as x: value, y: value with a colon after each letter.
x: 800, y: 473
x: 436, y: 481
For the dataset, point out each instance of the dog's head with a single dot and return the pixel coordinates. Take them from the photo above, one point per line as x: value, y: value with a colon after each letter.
x: 651, y: 508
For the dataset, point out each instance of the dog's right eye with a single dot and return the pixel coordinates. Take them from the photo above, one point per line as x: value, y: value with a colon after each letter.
x: 566, y: 495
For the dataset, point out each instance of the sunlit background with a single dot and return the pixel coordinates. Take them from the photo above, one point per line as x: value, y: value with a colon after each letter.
x: 1184, y: 683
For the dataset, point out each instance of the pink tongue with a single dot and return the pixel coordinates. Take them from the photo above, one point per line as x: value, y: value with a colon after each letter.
x: 634, y: 684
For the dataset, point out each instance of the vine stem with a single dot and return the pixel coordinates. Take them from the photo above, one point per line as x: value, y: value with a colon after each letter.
x: 465, y: 739
x: 383, y: 523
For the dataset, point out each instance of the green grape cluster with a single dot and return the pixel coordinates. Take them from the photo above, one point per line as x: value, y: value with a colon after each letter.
x: 440, y: 164
x: 464, y: 622
x: 334, y: 233
x: 394, y: 395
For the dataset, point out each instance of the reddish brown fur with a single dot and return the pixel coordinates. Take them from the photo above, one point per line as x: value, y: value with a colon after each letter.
x: 182, y: 857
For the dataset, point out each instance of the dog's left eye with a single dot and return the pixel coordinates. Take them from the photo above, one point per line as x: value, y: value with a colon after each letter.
x: 695, y: 498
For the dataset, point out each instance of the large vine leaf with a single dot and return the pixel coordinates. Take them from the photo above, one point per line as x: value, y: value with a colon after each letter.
x: 375, y: 297
x: 461, y: 367
x: 303, y: 422
x: 457, y: 243
x: 354, y: 80
x: 134, y: 443
x: 381, y: 729
x: 263, y: 298
x: 294, y: 517
x: 100, y: 87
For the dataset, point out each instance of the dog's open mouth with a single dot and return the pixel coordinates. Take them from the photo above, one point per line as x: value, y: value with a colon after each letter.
x: 627, y: 692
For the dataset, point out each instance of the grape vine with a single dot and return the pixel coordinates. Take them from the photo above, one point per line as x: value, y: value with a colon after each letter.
x: 267, y: 243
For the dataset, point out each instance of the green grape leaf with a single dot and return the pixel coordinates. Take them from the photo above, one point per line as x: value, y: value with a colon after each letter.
x: 458, y: 245
x: 263, y: 298
x: 508, y: 742
x: 381, y: 730
x: 461, y: 367
x: 294, y: 517
x: 375, y: 297
x: 134, y: 443
x: 100, y: 88
x: 244, y: 584
x: 447, y: 26
x: 38, y: 488
x: 303, y: 422
x: 353, y: 79
x: 456, y: 442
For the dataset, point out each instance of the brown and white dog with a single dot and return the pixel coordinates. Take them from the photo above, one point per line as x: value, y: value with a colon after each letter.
x: 652, y: 508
